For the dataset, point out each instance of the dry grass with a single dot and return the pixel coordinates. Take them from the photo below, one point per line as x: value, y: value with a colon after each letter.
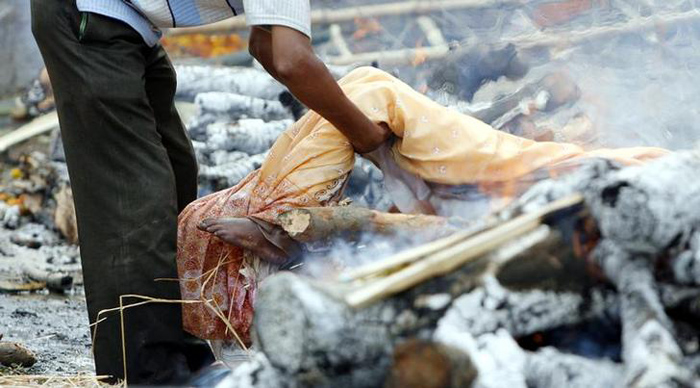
x: 10, y: 377
x: 82, y: 381
x: 144, y: 300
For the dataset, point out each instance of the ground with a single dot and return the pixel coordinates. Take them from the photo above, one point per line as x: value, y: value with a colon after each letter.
x: 54, y: 326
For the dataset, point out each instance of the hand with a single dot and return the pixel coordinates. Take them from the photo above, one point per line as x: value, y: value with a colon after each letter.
x: 373, y: 137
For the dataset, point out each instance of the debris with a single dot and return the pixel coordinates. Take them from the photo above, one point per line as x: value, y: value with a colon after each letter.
x: 64, y: 216
x: 55, y: 281
x: 12, y: 353
x: 37, y: 100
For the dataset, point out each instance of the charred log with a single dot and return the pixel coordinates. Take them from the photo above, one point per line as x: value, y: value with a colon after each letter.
x: 315, y: 224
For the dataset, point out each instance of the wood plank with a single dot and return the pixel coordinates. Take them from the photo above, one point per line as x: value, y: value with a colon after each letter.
x: 36, y: 127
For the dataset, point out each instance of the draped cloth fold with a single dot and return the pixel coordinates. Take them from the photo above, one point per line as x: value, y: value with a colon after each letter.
x: 309, y: 165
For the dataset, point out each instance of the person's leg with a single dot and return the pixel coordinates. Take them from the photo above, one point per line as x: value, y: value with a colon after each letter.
x: 124, y: 188
x: 161, y: 82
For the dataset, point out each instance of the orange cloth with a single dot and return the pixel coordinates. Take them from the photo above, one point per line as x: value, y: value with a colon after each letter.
x: 444, y: 146
x: 308, y: 166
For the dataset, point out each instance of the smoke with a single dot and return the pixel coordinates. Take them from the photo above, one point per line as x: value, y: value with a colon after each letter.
x: 635, y: 61
x: 327, y: 260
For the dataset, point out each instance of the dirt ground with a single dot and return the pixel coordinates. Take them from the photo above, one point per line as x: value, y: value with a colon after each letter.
x: 54, y: 326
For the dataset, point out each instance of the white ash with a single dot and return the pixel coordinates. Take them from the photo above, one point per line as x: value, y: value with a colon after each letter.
x: 366, y: 186
x: 313, y: 337
x: 673, y: 295
x: 193, y: 80
x: 649, y: 209
x: 551, y: 190
x: 257, y: 372
x: 251, y: 136
x: 651, y: 354
x: 489, y: 308
x: 550, y: 368
x: 221, y: 157
x: 502, y: 363
x: 497, y: 357
x: 231, y: 173
x: 433, y: 302
x: 644, y: 209
x: 34, y: 235
x: 234, y: 106
x: 9, y: 216
x: 686, y: 266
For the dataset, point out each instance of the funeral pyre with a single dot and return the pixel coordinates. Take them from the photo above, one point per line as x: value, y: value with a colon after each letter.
x: 588, y: 280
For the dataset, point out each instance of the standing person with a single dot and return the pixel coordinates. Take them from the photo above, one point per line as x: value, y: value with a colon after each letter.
x: 132, y: 165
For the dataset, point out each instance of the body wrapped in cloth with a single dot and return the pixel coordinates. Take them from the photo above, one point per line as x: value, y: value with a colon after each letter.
x: 434, y: 147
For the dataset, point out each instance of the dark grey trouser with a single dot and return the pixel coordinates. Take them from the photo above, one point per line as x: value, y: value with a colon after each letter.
x: 132, y: 169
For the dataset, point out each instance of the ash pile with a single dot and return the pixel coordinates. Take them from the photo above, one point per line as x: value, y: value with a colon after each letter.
x: 591, y: 280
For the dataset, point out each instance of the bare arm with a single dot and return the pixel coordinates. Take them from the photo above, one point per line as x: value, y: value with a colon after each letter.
x: 288, y: 56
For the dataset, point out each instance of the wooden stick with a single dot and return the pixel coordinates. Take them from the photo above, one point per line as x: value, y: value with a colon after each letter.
x: 449, y: 259
x: 314, y: 224
x: 54, y: 280
x: 36, y: 127
x: 339, y: 42
x: 12, y: 353
x: 392, y: 57
x: 534, y: 41
x: 15, y: 287
x: 431, y: 30
x: 407, y: 257
x: 331, y: 16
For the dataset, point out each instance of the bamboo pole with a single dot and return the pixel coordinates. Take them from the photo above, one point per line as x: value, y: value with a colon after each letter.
x: 407, y: 257
x: 455, y: 256
x: 332, y: 16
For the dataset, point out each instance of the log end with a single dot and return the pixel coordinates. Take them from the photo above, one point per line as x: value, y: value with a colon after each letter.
x: 280, y: 323
x: 423, y: 364
x: 295, y: 222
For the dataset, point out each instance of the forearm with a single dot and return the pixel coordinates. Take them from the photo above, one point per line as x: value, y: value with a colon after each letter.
x: 298, y: 68
x: 325, y: 97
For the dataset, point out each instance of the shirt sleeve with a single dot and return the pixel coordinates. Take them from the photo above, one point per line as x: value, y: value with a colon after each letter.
x: 294, y: 14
